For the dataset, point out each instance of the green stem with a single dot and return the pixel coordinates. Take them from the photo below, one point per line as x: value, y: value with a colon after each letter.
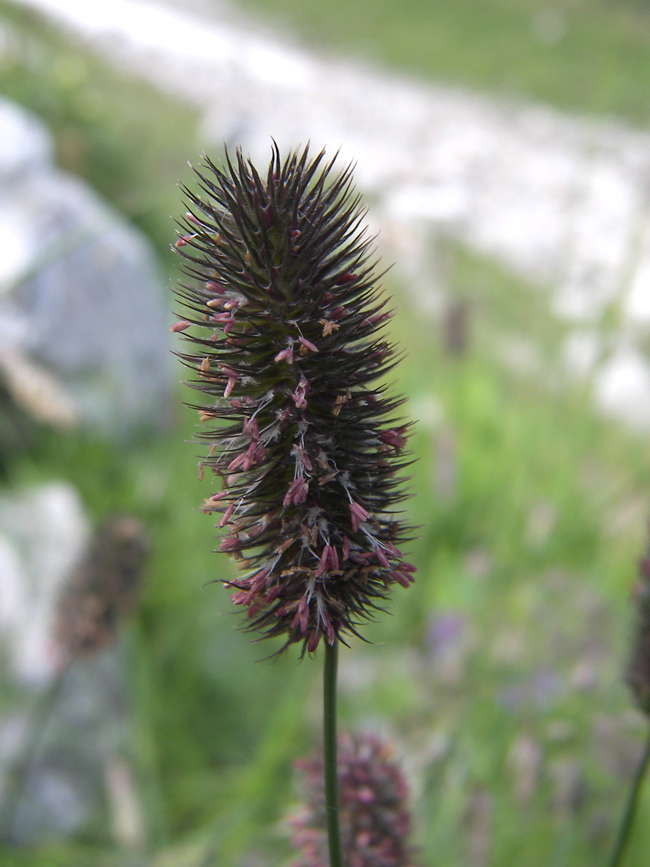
x: 630, y: 810
x: 330, y: 755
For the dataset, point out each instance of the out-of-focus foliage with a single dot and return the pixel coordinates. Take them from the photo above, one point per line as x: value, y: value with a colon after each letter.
x: 123, y: 136
x: 589, y: 56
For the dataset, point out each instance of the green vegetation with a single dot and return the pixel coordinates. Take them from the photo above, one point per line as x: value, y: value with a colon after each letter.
x: 590, y: 56
x: 532, y: 508
x: 123, y: 136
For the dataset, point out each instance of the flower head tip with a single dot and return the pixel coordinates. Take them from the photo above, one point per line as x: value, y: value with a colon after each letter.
x: 283, y: 323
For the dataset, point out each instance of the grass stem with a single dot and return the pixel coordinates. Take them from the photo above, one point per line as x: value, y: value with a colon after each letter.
x: 330, y: 755
x: 630, y: 809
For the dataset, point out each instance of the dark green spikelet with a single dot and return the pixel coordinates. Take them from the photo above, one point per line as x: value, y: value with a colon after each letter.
x: 284, y: 322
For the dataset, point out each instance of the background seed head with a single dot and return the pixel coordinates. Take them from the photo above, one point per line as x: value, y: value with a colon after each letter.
x: 102, y: 590
x: 375, y: 821
x: 284, y: 324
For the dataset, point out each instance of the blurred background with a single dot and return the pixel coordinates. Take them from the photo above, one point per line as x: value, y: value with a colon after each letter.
x: 503, y: 151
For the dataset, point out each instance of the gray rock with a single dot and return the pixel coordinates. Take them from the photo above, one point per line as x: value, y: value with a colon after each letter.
x: 25, y: 144
x: 43, y: 532
x: 79, y: 289
x: 622, y: 386
x: 63, y: 738
x: 59, y: 751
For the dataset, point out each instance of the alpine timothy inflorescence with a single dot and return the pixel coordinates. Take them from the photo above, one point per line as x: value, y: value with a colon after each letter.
x: 284, y: 322
x: 375, y: 820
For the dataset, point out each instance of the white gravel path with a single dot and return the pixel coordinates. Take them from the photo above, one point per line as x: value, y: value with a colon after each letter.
x: 562, y: 200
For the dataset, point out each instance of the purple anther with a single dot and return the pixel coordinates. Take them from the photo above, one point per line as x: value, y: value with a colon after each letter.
x: 296, y: 493
x: 393, y: 438
x: 226, y: 516
x: 358, y: 515
x: 308, y: 344
x: 230, y: 544
x: 285, y: 355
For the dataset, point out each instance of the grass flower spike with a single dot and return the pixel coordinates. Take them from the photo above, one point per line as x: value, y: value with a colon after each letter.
x: 375, y: 820
x: 284, y: 323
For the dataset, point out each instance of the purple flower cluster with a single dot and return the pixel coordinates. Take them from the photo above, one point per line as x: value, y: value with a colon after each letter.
x: 285, y: 329
x: 375, y: 821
